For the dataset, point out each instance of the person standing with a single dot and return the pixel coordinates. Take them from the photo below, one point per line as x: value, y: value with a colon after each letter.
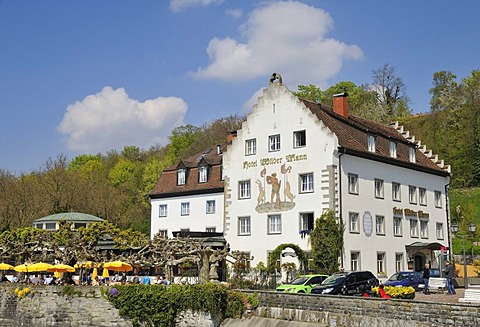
x: 426, y: 279
x: 449, y: 273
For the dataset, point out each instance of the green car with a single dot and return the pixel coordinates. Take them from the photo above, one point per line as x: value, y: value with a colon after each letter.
x: 302, y: 284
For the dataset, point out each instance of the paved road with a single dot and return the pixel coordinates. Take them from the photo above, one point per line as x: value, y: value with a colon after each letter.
x: 440, y: 297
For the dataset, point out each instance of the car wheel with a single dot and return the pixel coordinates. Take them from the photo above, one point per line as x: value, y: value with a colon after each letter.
x: 301, y: 292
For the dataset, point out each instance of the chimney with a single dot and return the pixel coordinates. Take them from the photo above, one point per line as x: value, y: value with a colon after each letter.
x: 340, y: 104
x: 231, y: 135
x: 219, y: 150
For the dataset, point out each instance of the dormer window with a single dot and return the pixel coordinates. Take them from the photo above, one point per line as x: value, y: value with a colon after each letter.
x: 181, y: 176
x: 202, y: 174
x: 393, y: 149
x: 412, y: 154
x: 371, y: 143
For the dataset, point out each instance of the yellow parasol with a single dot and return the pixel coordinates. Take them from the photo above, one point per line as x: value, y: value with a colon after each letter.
x: 25, y: 268
x: 6, y: 266
x: 57, y: 274
x: 39, y: 266
x: 95, y: 273
x: 105, y: 273
x: 61, y: 268
x: 118, y: 266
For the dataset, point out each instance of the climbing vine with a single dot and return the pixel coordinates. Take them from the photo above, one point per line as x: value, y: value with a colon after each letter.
x: 275, y: 255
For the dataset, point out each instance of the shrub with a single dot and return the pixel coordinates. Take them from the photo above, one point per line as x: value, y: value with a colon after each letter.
x: 152, y: 305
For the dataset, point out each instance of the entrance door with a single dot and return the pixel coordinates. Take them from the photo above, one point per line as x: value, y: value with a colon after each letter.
x: 419, y: 262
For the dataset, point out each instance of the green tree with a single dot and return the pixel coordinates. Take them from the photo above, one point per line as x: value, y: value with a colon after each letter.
x: 471, y: 113
x: 327, y: 243
x: 310, y: 92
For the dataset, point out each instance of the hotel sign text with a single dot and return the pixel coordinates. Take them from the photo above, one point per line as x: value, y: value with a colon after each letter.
x: 410, y: 212
x: 273, y: 160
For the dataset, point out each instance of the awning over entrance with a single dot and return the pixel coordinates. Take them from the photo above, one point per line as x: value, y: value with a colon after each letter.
x: 418, y: 246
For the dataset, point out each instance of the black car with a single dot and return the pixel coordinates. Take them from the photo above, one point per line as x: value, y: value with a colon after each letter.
x: 347, y: 283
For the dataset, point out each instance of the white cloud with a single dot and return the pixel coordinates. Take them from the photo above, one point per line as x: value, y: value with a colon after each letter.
x: 288, y: 37
x: 234, y: 13
x: 179, y: 5
x: 110, y: 120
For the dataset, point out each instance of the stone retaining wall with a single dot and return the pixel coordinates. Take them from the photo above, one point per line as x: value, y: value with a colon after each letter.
x: 359, y: 311
x: 46, y: 306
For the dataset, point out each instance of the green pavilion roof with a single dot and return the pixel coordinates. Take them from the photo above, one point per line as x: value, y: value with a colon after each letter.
x: 69, y: 216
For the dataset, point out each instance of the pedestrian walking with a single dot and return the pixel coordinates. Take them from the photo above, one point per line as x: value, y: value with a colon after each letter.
x: 449, y: 273
x: 426, y: 279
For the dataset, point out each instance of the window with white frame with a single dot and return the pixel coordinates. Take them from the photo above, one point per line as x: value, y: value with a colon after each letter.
x: 396, y: 195
x: 210, y: 206
x: 274, y: 143
x: 422, y: 196
x: 244, y: 225
x: 423, y: 229
x: 244, y: 189
x: 371, y: 143
x: 381, y: 266
x: 163, y: 233
x: 202, y: 174
x: 181, y: 176
x: 354, y: 261
x: 412, y: 194
x: 397, y: 226
x: 413, y: 228
x: 352, y: 183
x: 300, y: 139
x: 306, y: 183
x: 354, y: 223
x: 439, y: 230
x: 274, y: 224
x: 210, y: 229
x: 250, y: 147
x: 438, y: 199
x: 398, y: 262
x: 185, y: 208
x: 411, y: 154
x: 379, y: 194
x: 306, y: 221
x: 393, y: 149
x: 380, y: 225
x: 162, y: 210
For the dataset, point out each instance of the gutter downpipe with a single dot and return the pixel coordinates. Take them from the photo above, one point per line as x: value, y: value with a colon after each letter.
x: 447, y: 211
x: 340, y: 209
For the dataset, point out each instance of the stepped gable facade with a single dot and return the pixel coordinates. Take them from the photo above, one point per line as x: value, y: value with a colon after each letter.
x: 294, y: 159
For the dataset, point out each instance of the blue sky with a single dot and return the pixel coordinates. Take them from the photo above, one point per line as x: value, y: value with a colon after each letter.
x: 91, y: 76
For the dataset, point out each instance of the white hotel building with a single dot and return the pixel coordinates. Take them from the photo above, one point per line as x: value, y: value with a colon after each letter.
x: 294, y: 159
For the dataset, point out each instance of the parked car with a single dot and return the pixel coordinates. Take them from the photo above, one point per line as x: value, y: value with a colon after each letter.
x: 347, y: 283
x: 302, y: 284
x: 405, y: 278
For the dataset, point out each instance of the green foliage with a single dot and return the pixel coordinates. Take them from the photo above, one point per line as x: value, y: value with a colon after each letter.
x: 327, y: 243
x: 152, y: 305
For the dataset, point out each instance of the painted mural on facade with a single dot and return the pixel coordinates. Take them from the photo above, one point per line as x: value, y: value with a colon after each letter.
x: 274, y: 191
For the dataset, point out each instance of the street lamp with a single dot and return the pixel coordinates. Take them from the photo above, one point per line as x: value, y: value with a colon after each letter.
x: 471, y: 230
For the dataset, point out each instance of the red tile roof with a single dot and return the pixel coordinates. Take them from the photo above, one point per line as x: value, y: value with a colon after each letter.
x: 353, y: 132
x: 167, y: 183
